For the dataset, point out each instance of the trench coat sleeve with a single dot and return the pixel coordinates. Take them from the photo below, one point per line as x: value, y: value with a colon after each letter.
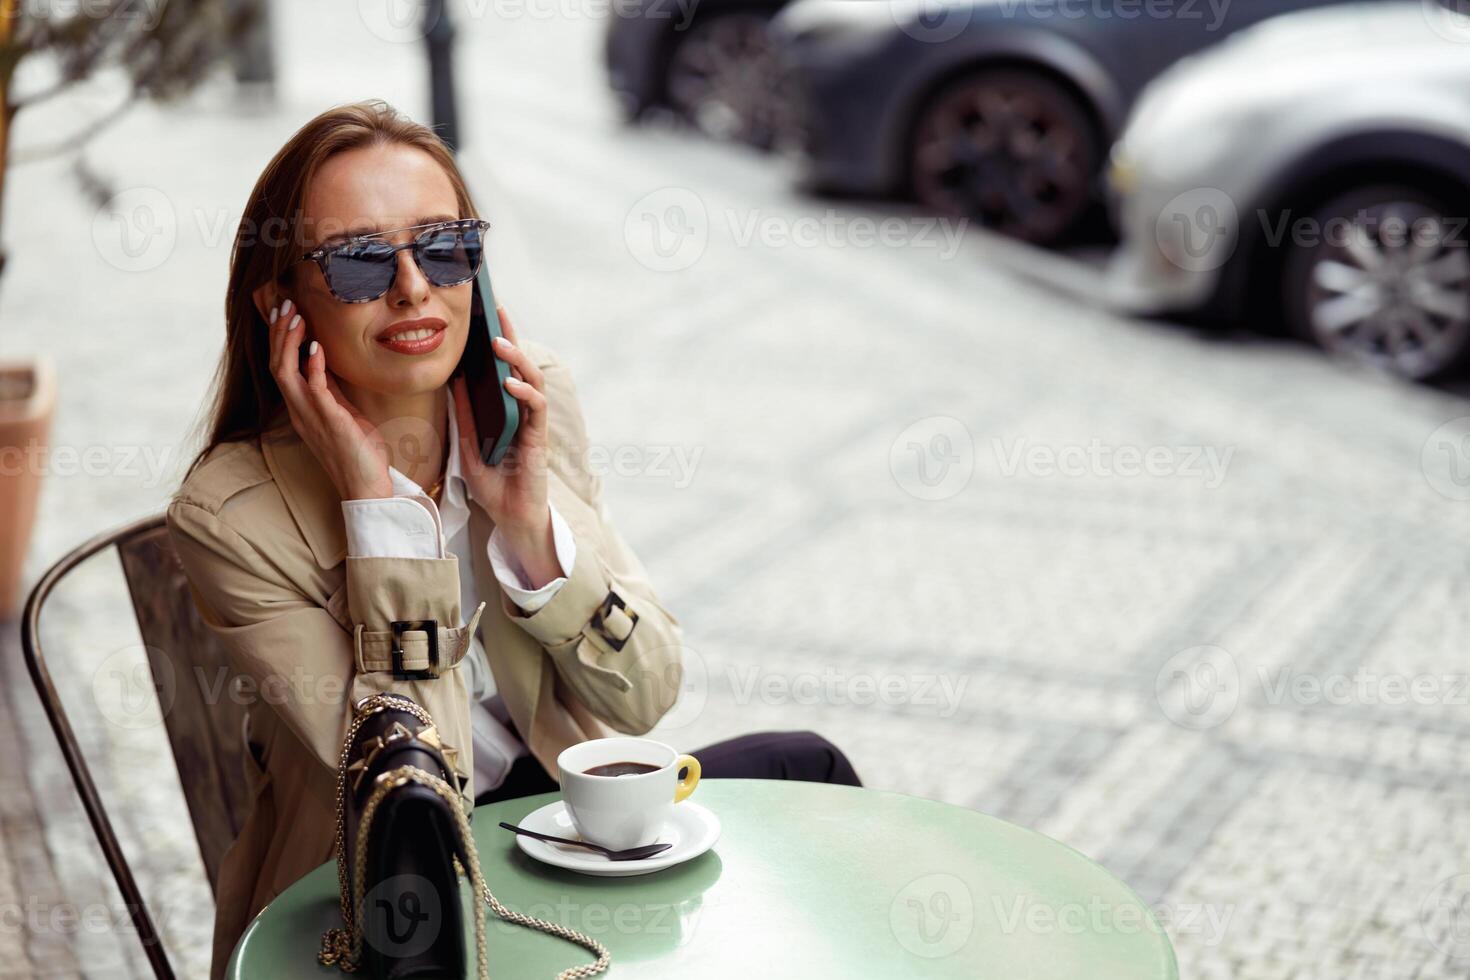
x: 612, y: 641
x: 301, y: 659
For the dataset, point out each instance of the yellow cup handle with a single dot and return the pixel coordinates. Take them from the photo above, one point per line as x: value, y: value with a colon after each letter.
x: 687, y: 784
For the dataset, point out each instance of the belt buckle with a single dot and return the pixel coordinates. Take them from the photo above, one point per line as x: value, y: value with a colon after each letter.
x: 599, y: 619
x: 428, y: 626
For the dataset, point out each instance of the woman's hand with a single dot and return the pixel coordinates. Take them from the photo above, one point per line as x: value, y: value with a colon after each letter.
x: 513, y: 492
x: 347, y: 445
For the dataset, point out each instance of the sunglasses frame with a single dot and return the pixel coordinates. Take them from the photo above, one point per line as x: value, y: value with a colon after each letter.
x: 321, y: 254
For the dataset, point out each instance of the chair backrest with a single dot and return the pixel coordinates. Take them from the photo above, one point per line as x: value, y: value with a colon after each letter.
x: 205, y: 726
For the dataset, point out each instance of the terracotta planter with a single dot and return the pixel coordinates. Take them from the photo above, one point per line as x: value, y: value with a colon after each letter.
x: 27, y: 402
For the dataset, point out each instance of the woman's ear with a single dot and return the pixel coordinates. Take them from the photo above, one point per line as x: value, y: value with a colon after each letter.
x: 267, y: 296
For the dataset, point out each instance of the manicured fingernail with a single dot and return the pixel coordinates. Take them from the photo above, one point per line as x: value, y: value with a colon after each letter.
x: 285, y: 307
x: 275, y: 312
x: 504, y: 343
x: 295, y: 322
x: 514, y: 381
x: 311, y: 351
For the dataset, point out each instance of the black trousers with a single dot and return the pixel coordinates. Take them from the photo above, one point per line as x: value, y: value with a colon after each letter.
x: 763, y: 755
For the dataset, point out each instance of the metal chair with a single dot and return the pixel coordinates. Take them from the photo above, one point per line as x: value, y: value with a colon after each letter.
x: 207, y: 737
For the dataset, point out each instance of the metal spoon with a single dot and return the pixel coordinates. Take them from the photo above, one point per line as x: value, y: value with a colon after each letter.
x: 630, y: 854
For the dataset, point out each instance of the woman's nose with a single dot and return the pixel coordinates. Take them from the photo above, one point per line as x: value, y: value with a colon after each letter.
x: 409, y: 284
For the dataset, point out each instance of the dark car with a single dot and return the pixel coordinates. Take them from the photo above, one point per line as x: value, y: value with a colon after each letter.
x: 1000, y: 110
x: 706, y: 61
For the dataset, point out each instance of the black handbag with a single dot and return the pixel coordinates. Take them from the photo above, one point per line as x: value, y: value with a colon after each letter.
x: 403, y: 840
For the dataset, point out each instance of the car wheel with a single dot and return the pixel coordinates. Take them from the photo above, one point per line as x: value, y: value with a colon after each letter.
x: 1384, y: 279
x: 1011, y: 149
x: 723, y: 75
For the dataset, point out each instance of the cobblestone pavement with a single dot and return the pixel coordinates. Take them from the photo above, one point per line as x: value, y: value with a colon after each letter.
x: 896, y: 494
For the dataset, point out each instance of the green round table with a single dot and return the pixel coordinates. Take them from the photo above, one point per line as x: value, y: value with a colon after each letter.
x: 806, y: 880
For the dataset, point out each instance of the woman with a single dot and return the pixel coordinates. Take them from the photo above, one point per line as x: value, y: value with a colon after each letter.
x: 339, y: 495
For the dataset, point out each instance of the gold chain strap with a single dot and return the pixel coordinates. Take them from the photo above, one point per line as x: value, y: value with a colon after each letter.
x: 343, y: 946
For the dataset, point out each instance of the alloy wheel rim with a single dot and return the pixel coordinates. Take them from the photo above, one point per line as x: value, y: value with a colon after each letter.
x: 721, y: 76
x: 1393, y: 290
x: 1005, y: 154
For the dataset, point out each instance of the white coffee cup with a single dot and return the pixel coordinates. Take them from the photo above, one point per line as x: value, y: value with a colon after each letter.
x: 624, y: 811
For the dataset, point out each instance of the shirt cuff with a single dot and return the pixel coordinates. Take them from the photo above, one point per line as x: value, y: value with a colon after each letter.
x: 512, y: 576
x: 393, y: 527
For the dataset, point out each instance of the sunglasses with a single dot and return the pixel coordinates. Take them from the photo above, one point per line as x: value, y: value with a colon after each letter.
x: 363, y: 268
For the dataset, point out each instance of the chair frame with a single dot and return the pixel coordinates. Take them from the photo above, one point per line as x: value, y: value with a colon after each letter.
x: 71, y: 750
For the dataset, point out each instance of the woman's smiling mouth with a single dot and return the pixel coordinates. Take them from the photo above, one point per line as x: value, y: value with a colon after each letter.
x: 413, y: 336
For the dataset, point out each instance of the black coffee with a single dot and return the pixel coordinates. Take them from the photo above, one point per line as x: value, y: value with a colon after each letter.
x: 620, y: 769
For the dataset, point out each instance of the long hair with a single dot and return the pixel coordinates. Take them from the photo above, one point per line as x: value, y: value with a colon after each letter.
x: 245, y: 399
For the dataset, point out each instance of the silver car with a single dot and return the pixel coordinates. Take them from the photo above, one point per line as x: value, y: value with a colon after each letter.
x: 1314, y: 172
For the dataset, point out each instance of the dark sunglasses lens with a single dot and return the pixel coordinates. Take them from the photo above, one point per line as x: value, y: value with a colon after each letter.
x: 360, y: 271
x: 450, y: 256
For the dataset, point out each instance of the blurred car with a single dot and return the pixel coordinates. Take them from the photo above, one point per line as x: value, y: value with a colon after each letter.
x: 1000, y: 110
x: 707, y: 61
x: 1314, y: 171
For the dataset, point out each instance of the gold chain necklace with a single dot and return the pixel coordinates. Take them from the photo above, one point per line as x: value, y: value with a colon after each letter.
x: 437, y: 485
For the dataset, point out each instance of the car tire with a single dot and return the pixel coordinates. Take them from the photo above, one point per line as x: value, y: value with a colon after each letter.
x: 722, y: 76
x: 1381, y: 275
x: 1011, y: 149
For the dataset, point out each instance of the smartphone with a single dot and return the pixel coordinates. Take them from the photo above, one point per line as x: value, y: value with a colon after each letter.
x: 496, y: 412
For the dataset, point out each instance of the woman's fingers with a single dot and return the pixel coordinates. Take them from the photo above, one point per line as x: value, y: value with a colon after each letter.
x: 532, y: 398
x: 517, y: 359
x: 316, y: 377
x: 286, y: 347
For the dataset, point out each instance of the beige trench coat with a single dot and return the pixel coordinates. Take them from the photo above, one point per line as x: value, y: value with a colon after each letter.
x: 258, y: 527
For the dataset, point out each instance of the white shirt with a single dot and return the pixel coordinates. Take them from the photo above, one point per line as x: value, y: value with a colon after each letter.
x: 410, y: 525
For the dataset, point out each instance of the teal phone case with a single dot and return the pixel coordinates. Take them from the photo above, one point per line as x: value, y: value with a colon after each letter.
x: 486, y: 321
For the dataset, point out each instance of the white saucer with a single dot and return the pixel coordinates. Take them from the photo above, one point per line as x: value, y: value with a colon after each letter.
x: 692, y: 830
